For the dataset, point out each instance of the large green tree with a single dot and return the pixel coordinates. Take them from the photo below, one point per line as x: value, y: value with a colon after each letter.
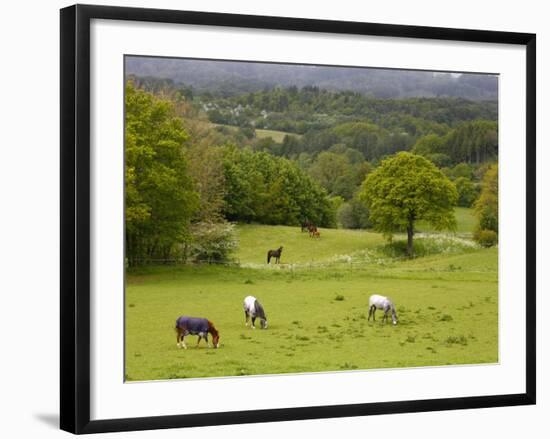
x: 330, y: 169
x: 272, y: 190
x: 406, y: 188
x: 160, y: 197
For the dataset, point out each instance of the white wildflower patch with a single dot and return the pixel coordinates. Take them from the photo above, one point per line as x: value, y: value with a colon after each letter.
x: 445, y: 243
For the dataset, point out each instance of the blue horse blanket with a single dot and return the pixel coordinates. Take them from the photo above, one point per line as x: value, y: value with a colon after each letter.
x: 193, y: 325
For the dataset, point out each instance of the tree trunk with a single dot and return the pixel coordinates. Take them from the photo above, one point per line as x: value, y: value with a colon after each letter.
x: 410, y: 233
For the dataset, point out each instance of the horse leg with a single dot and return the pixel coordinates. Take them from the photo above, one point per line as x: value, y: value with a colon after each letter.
x: 253, y: 322
x: 198, y: 341
x: 178, y: 336
x: 183, y: 342
x: 370, y: 313
x: 246, y: 318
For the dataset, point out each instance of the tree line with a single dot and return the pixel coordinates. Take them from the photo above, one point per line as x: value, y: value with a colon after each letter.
x: 181, y: 193
x: 186, y: 181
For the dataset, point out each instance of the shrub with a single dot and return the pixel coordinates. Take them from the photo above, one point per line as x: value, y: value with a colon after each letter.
x: 354, y: 215
x: 488, y: 219
x: 486, y: 238
x: 487, y: 204
x: 212, y: 242
x: 467, y: 191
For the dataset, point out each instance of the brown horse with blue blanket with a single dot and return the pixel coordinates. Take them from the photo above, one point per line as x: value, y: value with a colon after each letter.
x: 196, y: 326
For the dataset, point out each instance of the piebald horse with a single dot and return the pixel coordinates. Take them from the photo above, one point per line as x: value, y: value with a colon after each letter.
x: 381, y: 302
x: 253, y: 309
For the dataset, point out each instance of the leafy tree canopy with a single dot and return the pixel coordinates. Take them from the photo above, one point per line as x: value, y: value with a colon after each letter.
x: 160, y: 198
x: 406, y: 188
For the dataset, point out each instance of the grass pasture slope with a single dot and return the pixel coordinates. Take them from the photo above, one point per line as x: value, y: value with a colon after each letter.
x: 277, y: 136
x: 317, y: 307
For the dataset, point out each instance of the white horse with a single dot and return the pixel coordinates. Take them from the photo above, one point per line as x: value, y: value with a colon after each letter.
x: 253, y: 309
x: 381, y: 302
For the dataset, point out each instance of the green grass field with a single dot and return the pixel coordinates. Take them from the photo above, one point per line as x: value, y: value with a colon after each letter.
x: 255, y: 240
x: 317, y: 308
x: 277, y: 136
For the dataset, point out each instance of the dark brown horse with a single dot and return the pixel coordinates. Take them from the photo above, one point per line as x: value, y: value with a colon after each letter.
x: 275, y: 254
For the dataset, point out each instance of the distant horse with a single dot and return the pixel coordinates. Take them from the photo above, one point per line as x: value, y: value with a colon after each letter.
x: 306, y: 224
x: 383, y: 303
x: 312, y: 229
x: 275, y: 254
x: 316, y: 234
x: 253, y: 309
x: 196, y: 326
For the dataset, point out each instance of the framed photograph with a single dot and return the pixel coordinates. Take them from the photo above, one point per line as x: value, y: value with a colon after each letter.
x: 273, y: 218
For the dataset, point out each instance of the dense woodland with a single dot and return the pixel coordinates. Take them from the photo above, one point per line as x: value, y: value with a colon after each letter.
x: 198, y: 160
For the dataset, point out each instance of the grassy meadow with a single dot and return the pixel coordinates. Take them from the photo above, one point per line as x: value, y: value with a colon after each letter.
x: 277, y: 136
x: 316, y: 302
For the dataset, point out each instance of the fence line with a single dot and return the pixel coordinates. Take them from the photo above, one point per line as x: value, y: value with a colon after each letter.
x: 181, y: 261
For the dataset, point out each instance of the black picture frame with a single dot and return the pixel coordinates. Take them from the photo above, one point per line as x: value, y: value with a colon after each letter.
x: 75, y: 217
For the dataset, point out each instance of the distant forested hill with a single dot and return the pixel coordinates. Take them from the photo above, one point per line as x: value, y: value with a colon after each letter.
x: 234, y: 78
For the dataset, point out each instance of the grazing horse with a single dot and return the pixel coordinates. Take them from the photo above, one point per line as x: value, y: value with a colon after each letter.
x: 196, y: 326
x: 275, y: 254
x: 306, y: 224
x: 381, y: 302
x: 253, y: 309
x: 312, y: 229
